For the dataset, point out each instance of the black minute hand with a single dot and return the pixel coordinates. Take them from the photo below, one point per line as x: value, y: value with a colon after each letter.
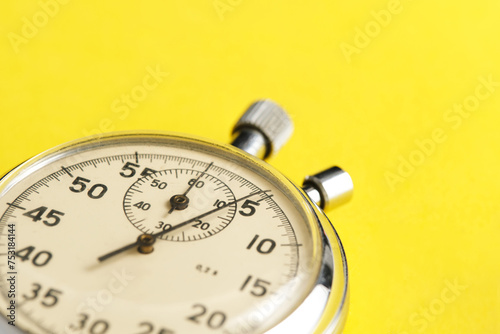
x: 184, y: 223
x: 192, y: 185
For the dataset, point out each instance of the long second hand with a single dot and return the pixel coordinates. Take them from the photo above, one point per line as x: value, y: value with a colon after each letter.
x: 184, y: 223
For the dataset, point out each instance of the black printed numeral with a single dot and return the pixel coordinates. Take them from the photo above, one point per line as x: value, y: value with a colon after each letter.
x: 51, y: 219
x: 96, y: 191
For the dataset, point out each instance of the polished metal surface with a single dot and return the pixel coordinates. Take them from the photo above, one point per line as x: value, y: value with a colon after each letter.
x: 307, y: 315
x: 329, y: 188
x: 314, y: 315
x: 251, y: 141
x: 313, y: 193
x: 268, y: 119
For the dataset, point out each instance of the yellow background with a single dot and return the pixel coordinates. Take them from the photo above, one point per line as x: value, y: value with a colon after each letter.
x: 422, y: 219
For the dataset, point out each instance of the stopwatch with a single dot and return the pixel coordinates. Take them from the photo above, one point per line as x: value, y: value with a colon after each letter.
x: 165, y: 233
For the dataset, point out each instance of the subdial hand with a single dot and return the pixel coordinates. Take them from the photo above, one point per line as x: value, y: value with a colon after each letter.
x: 180, y: 202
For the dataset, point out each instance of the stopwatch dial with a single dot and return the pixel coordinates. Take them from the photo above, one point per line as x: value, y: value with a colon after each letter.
x: 157, y: 202
x: 252, y: 252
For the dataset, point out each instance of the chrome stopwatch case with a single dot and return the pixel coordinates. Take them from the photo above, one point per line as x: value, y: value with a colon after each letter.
x: 161, y: 233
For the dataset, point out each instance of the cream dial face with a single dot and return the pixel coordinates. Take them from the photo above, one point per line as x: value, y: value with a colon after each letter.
x: 241, y: 255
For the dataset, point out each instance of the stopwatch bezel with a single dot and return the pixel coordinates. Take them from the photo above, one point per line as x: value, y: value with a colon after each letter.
x: 332, y: 255
x: 335, y: 313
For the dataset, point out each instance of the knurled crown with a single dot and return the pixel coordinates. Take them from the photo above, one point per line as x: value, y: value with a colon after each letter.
x: 271, y: 120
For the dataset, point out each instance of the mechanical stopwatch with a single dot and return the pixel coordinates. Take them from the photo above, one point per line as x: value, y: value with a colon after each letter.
x: 164, y: 233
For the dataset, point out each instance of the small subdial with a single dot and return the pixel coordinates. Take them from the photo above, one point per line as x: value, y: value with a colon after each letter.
x: 158, y: 202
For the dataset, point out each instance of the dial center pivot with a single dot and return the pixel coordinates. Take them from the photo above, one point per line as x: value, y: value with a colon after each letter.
x: 146, y: 242
x: 179, y: 202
